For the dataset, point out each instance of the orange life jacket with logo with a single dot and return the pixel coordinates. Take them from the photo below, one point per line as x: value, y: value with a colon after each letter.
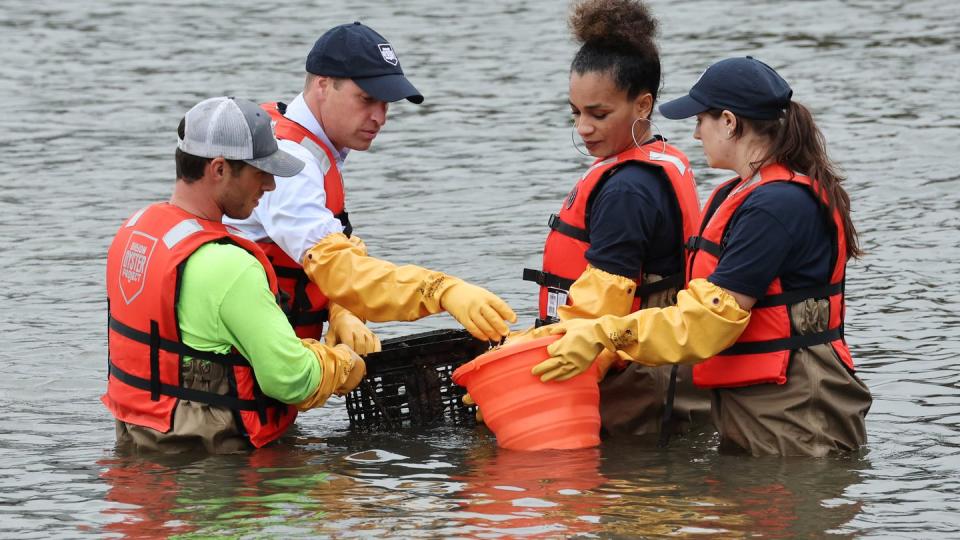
x: 145, y: 352
x: 302, y: 301
x: 762, y: 353
x: 564, y: 254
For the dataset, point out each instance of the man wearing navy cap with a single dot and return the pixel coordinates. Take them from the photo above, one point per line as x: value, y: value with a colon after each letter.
x: 353, y: 73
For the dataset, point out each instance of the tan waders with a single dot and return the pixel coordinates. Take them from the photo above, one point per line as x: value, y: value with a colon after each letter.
x: 820, y: 410
x: 195, y: 425
x: 632, y: 401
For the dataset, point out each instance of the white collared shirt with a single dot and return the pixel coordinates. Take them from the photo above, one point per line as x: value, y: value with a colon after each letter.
x: 294, y: 215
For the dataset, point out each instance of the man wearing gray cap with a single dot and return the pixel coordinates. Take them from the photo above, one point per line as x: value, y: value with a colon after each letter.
x: 200, y: 353
x: 353, y: 73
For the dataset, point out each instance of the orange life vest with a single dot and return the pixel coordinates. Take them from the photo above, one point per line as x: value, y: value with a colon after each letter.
x: 762, y: 352
x: 564, y: 254
x: 301, y: 299
x: 144, y: 267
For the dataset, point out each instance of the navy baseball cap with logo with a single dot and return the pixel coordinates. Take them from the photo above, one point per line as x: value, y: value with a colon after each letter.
x: 355, y: 51
x: 744, y: 86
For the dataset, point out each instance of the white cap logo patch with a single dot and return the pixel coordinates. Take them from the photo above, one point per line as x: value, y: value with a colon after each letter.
x: 387, y: 52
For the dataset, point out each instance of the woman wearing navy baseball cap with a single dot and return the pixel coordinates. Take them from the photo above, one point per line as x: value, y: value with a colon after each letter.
x: 616, y: 244
x: 762, y: 315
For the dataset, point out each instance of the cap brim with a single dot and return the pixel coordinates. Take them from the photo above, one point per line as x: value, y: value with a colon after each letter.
x: 279, y: 163
x: 682, y: 107
x: 389, y: 88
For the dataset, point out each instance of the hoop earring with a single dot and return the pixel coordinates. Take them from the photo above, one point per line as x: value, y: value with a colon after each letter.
x: 573, y: 139
x: 633, y: 134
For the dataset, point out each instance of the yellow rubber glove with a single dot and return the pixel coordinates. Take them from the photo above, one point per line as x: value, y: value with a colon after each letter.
x: 377, y: 290
x: 480, y: 311
x: 342, y: 372
x: 596, y: 293
x: 705, y: 321
x: 345, y: 327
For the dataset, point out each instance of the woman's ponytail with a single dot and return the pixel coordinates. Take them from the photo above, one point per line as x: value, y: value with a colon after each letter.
x: 798, y: 143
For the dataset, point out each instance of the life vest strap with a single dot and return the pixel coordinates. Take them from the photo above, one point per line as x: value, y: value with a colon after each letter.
x: 288, y: 272
x: 192, y: 394
x: 157, y: 343
x: 666, y: 420
x: 298, y: 312
x: 798, y: 295
x: 566, y: 229
x: 697, y: 243
x: 546, y: 279
x: 344, y: 218
x: 784, y: 344
x: 154, y: 360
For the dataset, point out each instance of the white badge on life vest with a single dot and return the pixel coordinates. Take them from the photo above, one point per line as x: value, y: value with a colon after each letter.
x: 555, y: 298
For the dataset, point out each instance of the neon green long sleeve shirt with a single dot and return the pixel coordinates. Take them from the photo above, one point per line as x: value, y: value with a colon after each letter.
x: 225, y: 301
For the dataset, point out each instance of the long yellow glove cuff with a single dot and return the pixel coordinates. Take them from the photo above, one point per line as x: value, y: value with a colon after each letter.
x: 705, y: 321
x: 378, y: 290
x: 345, y: 327
x: 373, y: 289
x: 596, y: 293
x: 342, y: 372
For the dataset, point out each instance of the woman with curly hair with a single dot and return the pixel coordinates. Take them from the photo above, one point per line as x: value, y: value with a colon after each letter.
x: 762, y: 315
x: 616, y: 244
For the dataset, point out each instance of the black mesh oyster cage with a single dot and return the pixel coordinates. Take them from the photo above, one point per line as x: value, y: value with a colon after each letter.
x: 409, y: 383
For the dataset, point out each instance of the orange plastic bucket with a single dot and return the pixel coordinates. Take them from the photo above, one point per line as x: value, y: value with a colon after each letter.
x: 525, y: 413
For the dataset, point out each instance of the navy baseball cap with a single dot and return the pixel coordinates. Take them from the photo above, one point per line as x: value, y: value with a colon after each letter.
x: 744, y: 86
x: 355, y: 51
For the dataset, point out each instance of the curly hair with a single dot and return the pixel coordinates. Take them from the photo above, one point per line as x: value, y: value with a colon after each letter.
x: 617, y: 37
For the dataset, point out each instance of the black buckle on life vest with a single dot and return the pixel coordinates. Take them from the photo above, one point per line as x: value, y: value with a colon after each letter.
x: 697, y: 243
x: 546, y: 279
x: 566, y: 229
